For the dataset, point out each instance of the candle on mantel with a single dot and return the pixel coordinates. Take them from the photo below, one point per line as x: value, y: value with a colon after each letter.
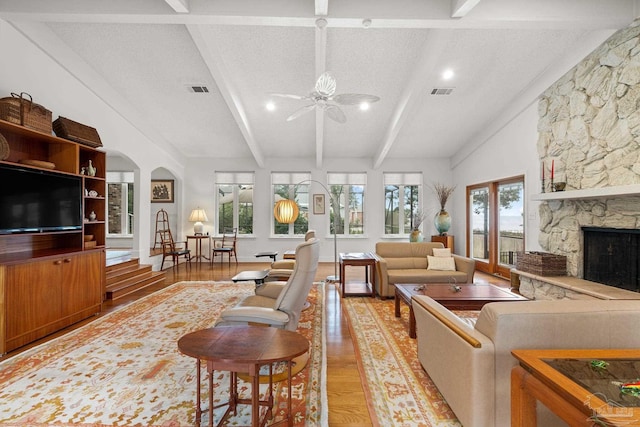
x: 552, y: 166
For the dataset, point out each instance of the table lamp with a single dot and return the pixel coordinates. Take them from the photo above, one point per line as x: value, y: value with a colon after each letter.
x: 198, y: 215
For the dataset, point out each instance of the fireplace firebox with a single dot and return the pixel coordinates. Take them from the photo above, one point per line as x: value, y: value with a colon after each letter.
x: 612, y: 257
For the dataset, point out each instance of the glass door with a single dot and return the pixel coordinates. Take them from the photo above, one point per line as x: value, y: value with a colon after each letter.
x: 495, y: 224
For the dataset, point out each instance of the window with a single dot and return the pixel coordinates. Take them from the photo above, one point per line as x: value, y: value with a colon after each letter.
x: 402, y: 200
x: 286, y: 186
x: 496, y: 224
x: 120, y: 203
x: 235, y: 201
x: 347, y: 191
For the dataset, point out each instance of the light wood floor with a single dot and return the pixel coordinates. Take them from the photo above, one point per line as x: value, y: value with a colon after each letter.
x: 347, y: 404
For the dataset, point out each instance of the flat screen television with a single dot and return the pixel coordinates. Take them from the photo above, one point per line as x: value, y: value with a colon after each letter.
x: 34, y: 201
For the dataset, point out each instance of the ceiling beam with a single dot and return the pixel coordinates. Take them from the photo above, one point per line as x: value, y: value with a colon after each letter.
x: 180, y: 6
x: 219, y: 73
x: 460, y: 8
x: 412, y: 93
x: 499, y: 14
x: 321, y: 65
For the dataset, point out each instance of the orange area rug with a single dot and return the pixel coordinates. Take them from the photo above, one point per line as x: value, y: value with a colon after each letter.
x: 125, y: 369
x: 399, y: 392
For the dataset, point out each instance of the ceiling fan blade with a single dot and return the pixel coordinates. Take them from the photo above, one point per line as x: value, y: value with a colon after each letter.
x: 288, y: 95
x: 326, y: 84
x: 301, y: 111
x: 335, y: 113
x: 354, y: 98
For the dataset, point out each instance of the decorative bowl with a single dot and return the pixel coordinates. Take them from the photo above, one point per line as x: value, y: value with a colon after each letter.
x: 559, y: 186
x: 88, y: 237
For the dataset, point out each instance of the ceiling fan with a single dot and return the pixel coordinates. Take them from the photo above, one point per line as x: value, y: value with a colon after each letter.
x: 323, y: 97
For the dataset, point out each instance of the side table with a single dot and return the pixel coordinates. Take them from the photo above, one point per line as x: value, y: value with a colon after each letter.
x: 356, y: 288
x: 243, y: 349
x: 447, y: 241
x: 198, y: 243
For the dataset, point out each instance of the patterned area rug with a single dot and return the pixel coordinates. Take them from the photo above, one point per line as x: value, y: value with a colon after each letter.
x: 399, y: 391
x: 124, y: 369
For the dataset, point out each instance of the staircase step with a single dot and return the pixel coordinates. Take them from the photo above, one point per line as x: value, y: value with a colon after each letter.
x: 121, y: 289
x: 129, y: 276
x: 117, y: 264
x: 126, y: 273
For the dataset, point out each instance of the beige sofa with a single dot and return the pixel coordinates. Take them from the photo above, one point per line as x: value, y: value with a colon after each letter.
x: 475, y: 381
x: 406, y: 262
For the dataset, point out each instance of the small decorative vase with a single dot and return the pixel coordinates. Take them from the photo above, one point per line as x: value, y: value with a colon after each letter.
x: 415, y: 236
x: 442, y: 222
x: 91, y: 171
x: 92, y: 216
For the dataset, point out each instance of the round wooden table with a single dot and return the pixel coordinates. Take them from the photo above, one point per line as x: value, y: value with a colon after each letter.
x: 243, y: 349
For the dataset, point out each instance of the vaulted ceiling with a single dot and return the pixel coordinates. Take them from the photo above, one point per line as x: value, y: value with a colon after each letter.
x: 144, y: 58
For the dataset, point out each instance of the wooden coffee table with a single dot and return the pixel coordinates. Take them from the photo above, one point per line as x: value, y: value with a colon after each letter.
x: 243, y: 349
x: 469, y: 297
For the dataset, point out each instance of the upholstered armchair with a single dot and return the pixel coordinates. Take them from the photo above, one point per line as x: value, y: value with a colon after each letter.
x: 279, y: 304
x: 282, y: 269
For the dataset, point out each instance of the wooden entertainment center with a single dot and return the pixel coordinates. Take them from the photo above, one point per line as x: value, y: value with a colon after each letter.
x: 50, y: 280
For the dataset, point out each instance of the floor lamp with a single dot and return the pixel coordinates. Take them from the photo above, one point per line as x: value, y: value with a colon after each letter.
x: 286, y: 212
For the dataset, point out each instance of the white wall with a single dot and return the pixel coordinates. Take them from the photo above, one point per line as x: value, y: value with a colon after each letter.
x: 509, y: 152
x: 27, y: 69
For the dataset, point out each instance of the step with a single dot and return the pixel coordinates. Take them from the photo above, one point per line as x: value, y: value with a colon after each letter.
x: 117, y: 264
x: 129, y: 276
x: 125, y: 273
x: 121, y: 289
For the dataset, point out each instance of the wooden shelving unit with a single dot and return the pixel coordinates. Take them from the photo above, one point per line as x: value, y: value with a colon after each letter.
x: 51, y: 280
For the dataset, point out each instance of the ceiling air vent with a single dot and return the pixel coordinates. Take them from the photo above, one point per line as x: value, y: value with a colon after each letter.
x: 441, y: 91
x: 198, y: 89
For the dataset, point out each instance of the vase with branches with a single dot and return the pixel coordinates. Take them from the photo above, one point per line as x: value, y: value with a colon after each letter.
x: 417, y: 219
x: 442, y: 220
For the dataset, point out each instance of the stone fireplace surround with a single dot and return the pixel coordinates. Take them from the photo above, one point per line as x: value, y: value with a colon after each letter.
x: 589, y: 127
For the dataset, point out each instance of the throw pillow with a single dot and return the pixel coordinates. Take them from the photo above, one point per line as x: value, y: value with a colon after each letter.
x: 441, y: 263
x: 442, y: 252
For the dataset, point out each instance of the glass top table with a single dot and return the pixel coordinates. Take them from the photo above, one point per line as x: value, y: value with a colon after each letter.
x: 581, y: 386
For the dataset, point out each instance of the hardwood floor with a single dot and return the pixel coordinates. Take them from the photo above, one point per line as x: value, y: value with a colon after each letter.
x: 347, y: 403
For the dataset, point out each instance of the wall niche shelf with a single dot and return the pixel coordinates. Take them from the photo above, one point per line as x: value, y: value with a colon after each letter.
x: 590, y: 193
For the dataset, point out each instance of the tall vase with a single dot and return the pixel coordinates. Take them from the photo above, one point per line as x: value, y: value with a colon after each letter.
x: 415, y: 236
x: 442, y: 222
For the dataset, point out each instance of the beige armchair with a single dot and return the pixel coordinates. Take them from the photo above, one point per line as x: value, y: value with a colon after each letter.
x: 282, y: 269
x: 279, y: 304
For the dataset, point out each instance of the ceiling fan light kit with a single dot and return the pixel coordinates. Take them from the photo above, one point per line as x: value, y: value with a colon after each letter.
x: 323, y: 97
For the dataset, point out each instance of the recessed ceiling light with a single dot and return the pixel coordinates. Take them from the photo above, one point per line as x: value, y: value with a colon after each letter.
x: 270, y: 106
x: 364, y: 106
x: 447, y: 74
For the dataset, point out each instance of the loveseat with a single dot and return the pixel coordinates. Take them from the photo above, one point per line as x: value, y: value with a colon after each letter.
x: 475, y: 380
x: 408, y: 262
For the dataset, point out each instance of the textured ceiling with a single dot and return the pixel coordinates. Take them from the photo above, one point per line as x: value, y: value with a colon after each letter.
x: 148, y: 55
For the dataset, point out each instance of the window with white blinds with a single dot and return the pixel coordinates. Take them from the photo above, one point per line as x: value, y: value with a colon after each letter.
x: 402, y: 201
x: 347, y: 202
x: 293, y: 186
x: 234, y: 201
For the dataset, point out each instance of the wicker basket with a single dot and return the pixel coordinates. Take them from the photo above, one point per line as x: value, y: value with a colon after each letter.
x: 4, y: 148
x: 542, y: 263
x: 21, y: 110
x: 74, y: 131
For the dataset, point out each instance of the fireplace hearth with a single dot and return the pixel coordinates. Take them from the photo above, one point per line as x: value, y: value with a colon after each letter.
x: 612, y: 257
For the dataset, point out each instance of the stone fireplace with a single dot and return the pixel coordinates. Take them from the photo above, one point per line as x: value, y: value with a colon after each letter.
x: 589, y: 127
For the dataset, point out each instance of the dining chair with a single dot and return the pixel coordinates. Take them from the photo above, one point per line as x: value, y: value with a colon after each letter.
x: 173, y: 249
x: 226, y: 246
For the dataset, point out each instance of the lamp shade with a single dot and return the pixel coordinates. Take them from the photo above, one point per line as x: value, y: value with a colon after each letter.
x: 286, y: 211
x: 198, y: 215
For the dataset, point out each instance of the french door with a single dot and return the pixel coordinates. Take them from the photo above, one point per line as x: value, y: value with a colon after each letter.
x: 495, y: 224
